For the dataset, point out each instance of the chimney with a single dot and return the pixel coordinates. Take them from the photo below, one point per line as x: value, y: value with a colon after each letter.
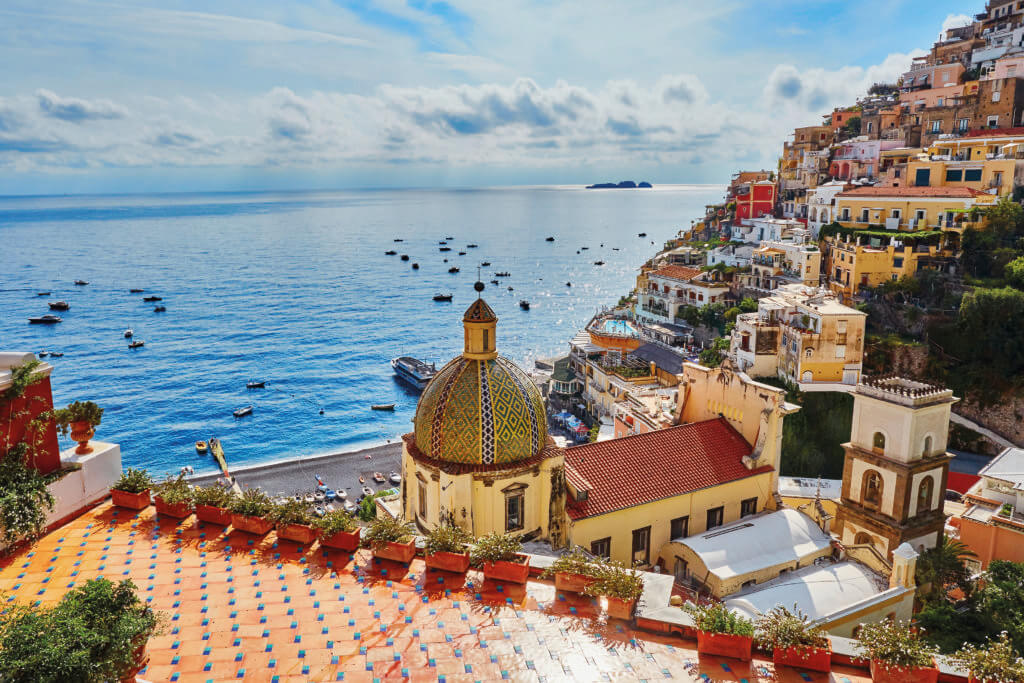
x: 904, y: 563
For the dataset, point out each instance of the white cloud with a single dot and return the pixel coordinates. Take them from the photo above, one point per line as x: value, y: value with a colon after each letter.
x: 955, y: 21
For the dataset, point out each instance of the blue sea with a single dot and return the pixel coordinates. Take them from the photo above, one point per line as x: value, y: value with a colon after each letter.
x: 295, y: 289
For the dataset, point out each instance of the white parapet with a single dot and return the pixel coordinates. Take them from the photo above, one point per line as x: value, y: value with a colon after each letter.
x: 79, y: 489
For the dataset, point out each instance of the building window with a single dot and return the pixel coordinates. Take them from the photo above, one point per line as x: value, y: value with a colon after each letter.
x: 954, y: 175
x: 680, y: 527
x: 896, y: 213
x: 642, y: 545
x: 920, y: 214
x: 927, y: 447
x: 963, y: 124
x: 748, y: 507
x: 863, y: 215
x: 602, y: 548
x: 421, y: 493
x: 808, y: 352
x: 897, y: 263
x: 972, y: 175
x: 514, y: 511
x: 924, y: 495
x: 714, y: 518
x: 993, y: 121
x: 841, y: 351
x: 878, y: 441
x: 936, y: 127
x: 872, y: 485
x: 846, y: 213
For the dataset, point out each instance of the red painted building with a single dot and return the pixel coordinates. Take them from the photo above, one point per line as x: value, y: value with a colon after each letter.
x: 755, y: 200
x: 17, y: 414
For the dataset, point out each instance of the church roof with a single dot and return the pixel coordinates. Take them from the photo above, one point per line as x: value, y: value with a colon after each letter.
x: 479, y: 312
x: 621, y: 473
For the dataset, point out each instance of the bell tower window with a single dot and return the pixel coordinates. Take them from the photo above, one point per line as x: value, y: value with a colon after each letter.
x: 878, y: 442
x: 872, y: 493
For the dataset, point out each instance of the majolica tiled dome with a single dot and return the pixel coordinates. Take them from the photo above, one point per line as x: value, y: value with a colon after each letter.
x: 480, y: 409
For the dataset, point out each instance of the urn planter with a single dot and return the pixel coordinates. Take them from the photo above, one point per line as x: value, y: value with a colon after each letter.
x: 175, y: 510
x: 620, y: 608
x: 251, y: 525
x: 82, y: 432
x: 300, y: 533
x: 343, y: 540
x: 396, y: 552
x: 141, y: 658
x: 884, y: 673
x: 449, y: 562
x: 132, y: 501
x: 213, y: 515
x: 725, y: 645
x: 573, y: 583
x: 514, y: 571
x: 804, y: 658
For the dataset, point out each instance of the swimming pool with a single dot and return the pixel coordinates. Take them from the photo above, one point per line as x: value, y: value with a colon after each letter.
x: 622, y: 327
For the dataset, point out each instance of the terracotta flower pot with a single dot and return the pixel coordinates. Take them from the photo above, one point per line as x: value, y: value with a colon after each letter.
x: 883, y: 673
x: 343, y: 540
x: 449, y: 562
x: 213, y: 515
x: 804, y: 658
x: 300, y: 533
x: 725, y: 645
x: 176, y: 510
x: 620, y: 608
x: 573, y: 583
x: 82, y: 432
x: 507, y: 571
x: 141, y: 659
x: 397, y: 552
x: 251, y: 525
x: 132, y: 501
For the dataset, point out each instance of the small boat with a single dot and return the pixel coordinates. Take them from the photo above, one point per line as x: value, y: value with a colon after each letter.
x: 398, y: 239
x: 510, y: 289
x: 136, y: 290
x: 319, y: 496
x: 56, y: 354
x: 129, y: 333
x: 382, y: 406
x: 494, y: 282
x: 395, y: 478
x: 568, y: 284
x: 252, y: 384
x: 319, y: 510
x: 330, y: 494
x: 550, y: 239
x: 152, y: 298
x: 59, y: 305
x: 442, y: 242
x: 242, y: 412
x: 415, y: 266
x: 367, y: 491
x: 524, y: 304
x: 390, y: 252
x: 159, y: 309
x: 47, y: 319
x: 472, y: 246
x: 308, y: 498
x: 379, y: 477
x: 443, y: 297
x: 462, y: 253
x: 449, y: 238
x: 362, y: 479
x: 138, y: 343
x: 445, y: 249
x: 405, y: 257
x: 642, y: 234
x: 485, y: 263
x: 598, y: 263
x: 584, y: 248
x: 42, y: 294
x: 615, y: 248
x: 297, y: 498
x: 201, y: 447
x: 453, y: 269
x: 503, y: 273
x: 340, y: 495
x: 81, y: 283
x: 43, y: 354
x: 349, y: 506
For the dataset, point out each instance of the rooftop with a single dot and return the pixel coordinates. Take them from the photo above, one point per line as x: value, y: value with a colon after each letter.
x: 995, y: 133
x: 677, y: 272
x: 664, y: 358
x: 915, y: 191
x: 1008, y: 466
x: 902, y: 390
x: 253, y: 609
x: 638, y: 469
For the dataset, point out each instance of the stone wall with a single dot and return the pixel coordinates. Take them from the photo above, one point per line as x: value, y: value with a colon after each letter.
x: 1004, y: 417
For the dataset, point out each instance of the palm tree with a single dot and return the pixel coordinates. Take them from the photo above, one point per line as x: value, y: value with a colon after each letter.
x: 942, y: 567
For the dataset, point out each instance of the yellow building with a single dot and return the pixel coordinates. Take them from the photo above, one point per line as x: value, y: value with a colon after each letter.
x: 480, y: 455
x: 907, y: 209
x: 981, y: 162
x: 629, y: 497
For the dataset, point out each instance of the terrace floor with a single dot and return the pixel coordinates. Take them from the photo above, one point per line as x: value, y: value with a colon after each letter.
x: 245, y: 608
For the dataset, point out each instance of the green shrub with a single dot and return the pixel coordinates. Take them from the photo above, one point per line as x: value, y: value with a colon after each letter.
x: 79, y: 411
x: 335, y: 521
x: 994, y: 662
x: 134, y: 481
x: 24, y: 498
x: 894, y: 643
x: 291, y: 512
x: 174, y: 490
x: 384, y: 530
x: 213, y: 495
x: 780, y: 629
x: 616, y: 581
x: 495, y: 547
x: 447, y: 538
x: 575, y: 562
x: 252, y: 503
x: 717, y: 618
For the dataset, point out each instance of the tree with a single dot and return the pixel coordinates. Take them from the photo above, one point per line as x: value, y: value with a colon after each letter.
x: 991, y: 320
x: 748, y: 305
x: 730, y: 315
x: 1014, y: 272
x: 710, y: 357
x: 691, y: 314
x: 942, y: 568
x: 852, y: 127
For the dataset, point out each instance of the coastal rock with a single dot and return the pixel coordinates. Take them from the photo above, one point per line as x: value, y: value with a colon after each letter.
x: 622, y: 185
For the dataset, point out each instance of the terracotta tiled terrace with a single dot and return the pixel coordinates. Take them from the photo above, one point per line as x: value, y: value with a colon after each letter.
x: 245, y: 608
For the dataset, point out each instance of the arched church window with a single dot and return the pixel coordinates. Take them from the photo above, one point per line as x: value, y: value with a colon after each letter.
x: 927, y: 446
x: 862, y: 538
x: 878, y: 441
x: 872, y: 487
x: 924, y: 495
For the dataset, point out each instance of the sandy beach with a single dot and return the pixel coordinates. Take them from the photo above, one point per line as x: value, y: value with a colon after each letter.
x: 340, y: 471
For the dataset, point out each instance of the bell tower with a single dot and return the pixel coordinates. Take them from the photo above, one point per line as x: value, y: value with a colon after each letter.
x: 894, y: 476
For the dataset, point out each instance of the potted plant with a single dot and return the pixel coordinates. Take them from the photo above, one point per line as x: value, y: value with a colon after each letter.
x: 793, y: 641
x: 621, y: 587
x: 500, y: 558
x: 721, y: 631
x: 82, y: 418
x: 294, y: 521
x: 574, y: 572
x: 132, y: 489
x: 213, y: 504
x: 994, y: 662
x: 338, y: 529
x: 391, y: 539
x: 897, y: 653
x: 173, y: 497
x: 445, y: 548
x: 249, y: 512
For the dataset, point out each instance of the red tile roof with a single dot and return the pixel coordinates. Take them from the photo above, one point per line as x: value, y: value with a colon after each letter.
x: 994, y: 132
x: 951, y: 192
x: 677, y: 272
x: 643, y: 468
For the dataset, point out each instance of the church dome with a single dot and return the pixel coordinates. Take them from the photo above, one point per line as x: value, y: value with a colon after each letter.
x: 480, y: 408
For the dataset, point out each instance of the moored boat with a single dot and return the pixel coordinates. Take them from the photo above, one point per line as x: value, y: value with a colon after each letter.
x: 136, y: 290
x: 382, y: 406
x: 445, y: 249
x: 472, y: 246
x: 138, y: 343
x: 379, y: 477
x: 550, y: 239
x: 201, y: 447
x: 47, y: 319
x: 524, y: 304
x: 442, y: 297
x: 59, y: 305
x: 152, y: 298
x: 404, y: 257
x: 242, y: 412
x: 42, y: 293
x: 485, y: 263
x: 253, y: 384
x: 159, y: 309
x: 390, y: 252
x: 129, y: 333
x: 81, y: 283
x: 415, y: 266
x: 413, y: 370
x: 453, y: 269
x: 56, y: 354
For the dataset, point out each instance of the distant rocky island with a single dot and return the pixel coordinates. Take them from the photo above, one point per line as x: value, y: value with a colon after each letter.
x: 624, y: 185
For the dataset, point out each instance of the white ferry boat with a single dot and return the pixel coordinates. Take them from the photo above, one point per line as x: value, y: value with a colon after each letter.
x: 414, y: 371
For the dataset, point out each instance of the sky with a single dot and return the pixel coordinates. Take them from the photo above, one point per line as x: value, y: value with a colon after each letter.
x: 175, y: 95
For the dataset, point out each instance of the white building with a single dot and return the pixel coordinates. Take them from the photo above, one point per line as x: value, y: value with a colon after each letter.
x: 672, y: 288
x: 821, y: 205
